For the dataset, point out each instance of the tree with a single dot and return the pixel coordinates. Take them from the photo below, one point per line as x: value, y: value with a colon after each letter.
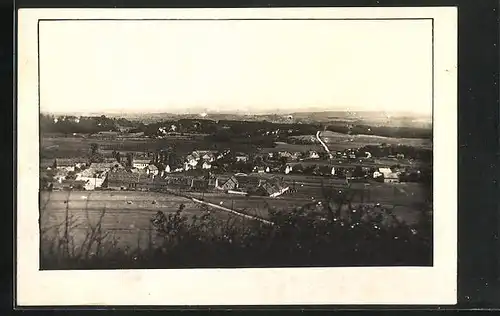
x: 130, y: 159
x: 94, y: 149
x: 358, y: 172
x: 298, y: 168
x: 71, y: 175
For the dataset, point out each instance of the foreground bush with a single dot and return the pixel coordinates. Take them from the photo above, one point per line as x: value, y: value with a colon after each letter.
x: 367, y: 236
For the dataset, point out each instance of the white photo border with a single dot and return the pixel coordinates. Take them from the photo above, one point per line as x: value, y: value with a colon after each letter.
x: 436, y: 285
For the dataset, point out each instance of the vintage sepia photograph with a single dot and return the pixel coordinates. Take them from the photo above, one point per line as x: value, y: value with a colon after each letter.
x: 238, y: 141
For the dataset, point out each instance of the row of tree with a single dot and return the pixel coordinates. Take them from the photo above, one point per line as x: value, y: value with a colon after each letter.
x: 417, y: 153
x: 84, y: 125
x: 387, y: 131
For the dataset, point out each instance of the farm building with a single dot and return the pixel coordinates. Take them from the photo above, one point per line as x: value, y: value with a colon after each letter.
x: 226, y: 183
x: 392, y: 178
x: 68, y: 164
x: 93, y: 183
x: 261, y: 169
x: 284, y: 154
x: 241, y: 157
x: 388, y: 174
x: 385, y: 171
x: 152, y: 170
x: 296, y: 155
x: 208, y: 157
x: 177, y: 182
x: 93, y: 179
x: 248, y: 183
x: 206, y: 165
x: 105, y: 166
x: 60, y: 175
x: 313, y: 154
x: 110, y: 160
x: 167, y: 169
x: 122, y: 180
x: 199, y: 184
x: 141, y: 163
x: 272, y: 187
x: 201, y: 153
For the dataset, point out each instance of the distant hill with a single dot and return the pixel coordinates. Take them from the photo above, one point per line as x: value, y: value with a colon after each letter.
x: 375, y: 118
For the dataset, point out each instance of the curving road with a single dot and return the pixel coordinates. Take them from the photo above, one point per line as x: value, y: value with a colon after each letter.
x: 323, y: 144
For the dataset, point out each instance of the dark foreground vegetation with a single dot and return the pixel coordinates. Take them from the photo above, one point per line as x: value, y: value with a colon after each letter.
x: 338, y: 235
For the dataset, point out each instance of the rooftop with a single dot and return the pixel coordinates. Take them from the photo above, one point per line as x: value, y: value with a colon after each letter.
x: 65, y: 162
x: 123, y: 176
x: 104, y: 165
x: 247, y: 181
x: 142, y: 161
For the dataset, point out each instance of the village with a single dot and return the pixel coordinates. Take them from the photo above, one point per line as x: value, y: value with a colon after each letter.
x: 267, y: 173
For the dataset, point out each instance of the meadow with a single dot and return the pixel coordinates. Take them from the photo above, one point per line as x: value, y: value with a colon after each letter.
x: 127, y: 224
x: 126, y: 215
x: 339, y: 141
x: 53, y: 145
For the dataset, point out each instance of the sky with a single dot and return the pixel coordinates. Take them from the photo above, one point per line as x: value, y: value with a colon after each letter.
x: 235, y: 66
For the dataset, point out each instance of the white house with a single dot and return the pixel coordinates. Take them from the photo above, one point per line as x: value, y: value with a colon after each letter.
x: 288, y: 169
x: 385, y: 171
x: 389, y: 175
x: 92, y: 179
x: 313, y: 154
x: 92, y: 184
x: 279, y: 192
x: 152, y: 169
x: 141, y: 163
x: 241, y: 157
x: 206, y: 165
x: 208, y: 157
x: 192, y: 159
x: 259, y: 169
x: 392, y: 178
x: 65, y: 164
x: 167, y: 169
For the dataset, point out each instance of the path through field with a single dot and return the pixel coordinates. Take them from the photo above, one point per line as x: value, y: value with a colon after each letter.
x: 128, y: 214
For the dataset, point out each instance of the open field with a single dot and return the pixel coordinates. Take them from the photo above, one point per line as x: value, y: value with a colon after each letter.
x: 404, y: 199
x: 339, y: 141
x: 74, y: 146
x: 77, y: 147
x: 343, y: 163
x: 130, y: 223
x: 67, y: 147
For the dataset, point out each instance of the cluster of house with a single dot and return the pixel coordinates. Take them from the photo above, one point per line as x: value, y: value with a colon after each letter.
x: 141, y: 171
x: 79, y: 173
x: 236, y: 184
x: 144, y: 175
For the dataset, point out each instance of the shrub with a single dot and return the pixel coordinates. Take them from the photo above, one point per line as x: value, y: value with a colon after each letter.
x: 331, y: 234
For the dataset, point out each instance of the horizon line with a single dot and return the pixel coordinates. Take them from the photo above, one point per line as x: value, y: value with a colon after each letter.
x: 201, y: 111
